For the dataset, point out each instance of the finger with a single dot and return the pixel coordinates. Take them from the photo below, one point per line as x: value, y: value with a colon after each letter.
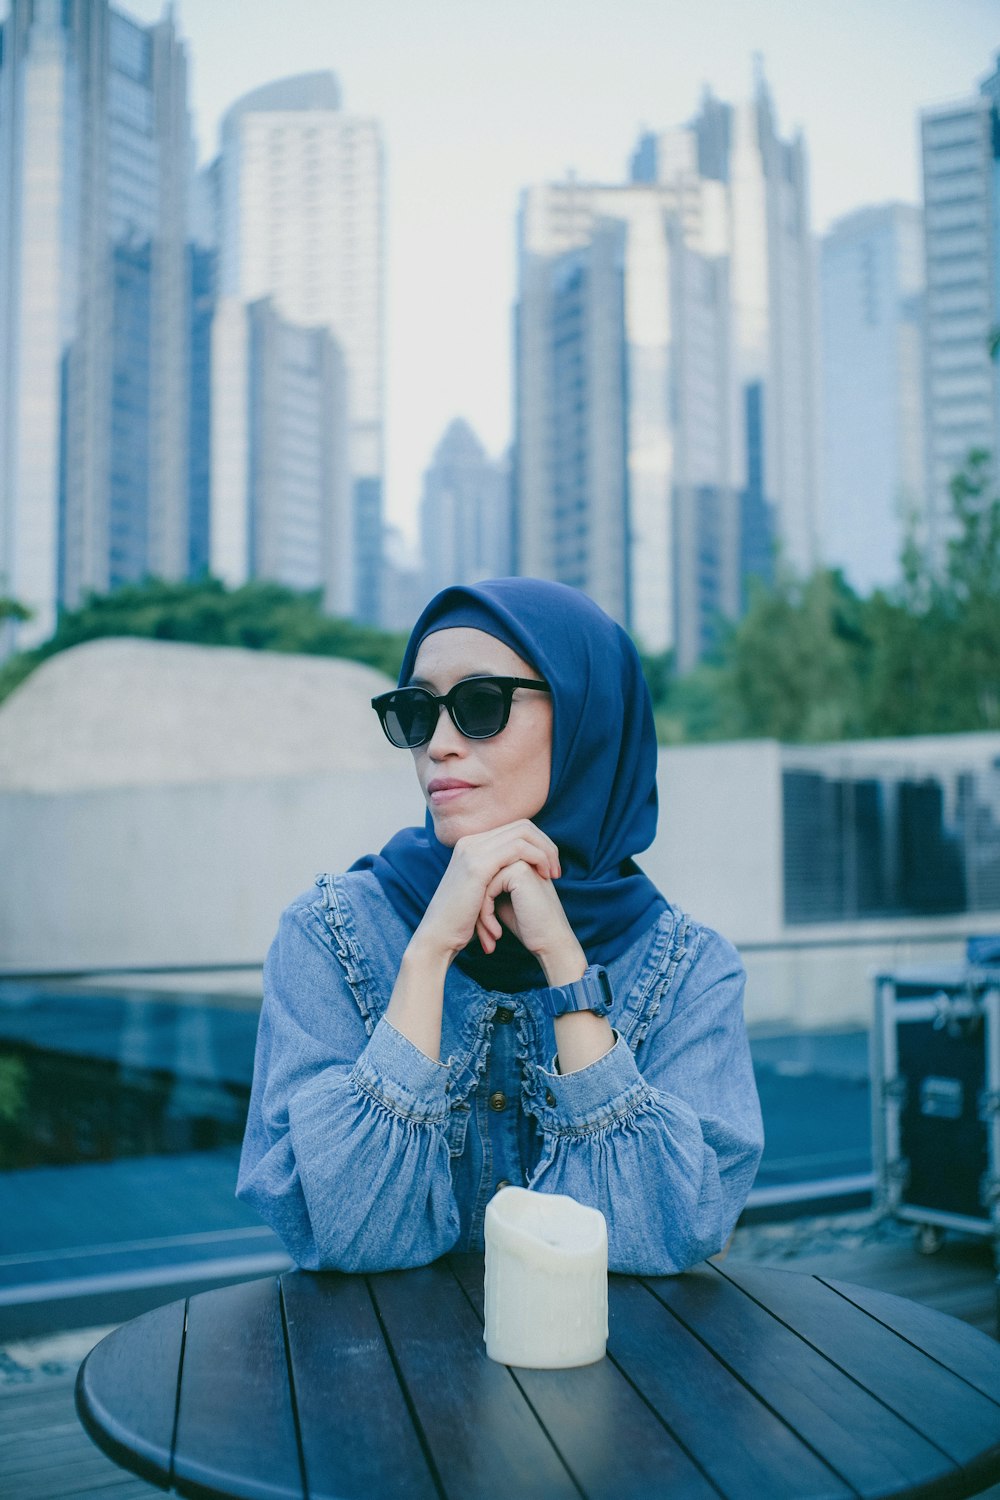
x: 485, y: 853
x: 545, y: 859
x: 536, y: 838
x: 486, y: 941
x: 488, y: 917
x: 506, y: 879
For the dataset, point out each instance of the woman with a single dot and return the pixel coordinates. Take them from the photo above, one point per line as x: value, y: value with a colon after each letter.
x: 502, y: 996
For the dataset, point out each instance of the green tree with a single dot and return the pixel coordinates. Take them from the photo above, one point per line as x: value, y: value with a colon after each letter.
x: 936, y: 640
x: 259, y: 615
x: 791, y: 669
x: 810, y: 660
x: 10, y: 609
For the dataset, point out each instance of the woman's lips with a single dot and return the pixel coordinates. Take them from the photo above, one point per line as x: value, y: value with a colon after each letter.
x: 445, y: 789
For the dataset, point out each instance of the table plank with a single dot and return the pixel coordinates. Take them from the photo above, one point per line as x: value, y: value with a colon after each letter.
x: 613, y: 1444
x: 343, y: 1375
x: 236, y: 1429
x: 868, y: 1446
x: 956, y: 1418
x: 483, y: 1435
x: 974, y: 1359
x: 741, y: 1383
x: 126, y: 1392
x: 745, y: 1449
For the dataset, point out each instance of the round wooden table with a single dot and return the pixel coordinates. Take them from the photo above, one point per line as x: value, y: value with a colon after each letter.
x: 742, y: 1382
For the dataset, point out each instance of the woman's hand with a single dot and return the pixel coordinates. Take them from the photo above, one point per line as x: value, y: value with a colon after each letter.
x: 519, y: 898
x: 460, y: 906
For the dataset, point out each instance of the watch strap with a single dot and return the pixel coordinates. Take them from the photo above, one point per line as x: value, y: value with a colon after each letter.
x: 592, y: 991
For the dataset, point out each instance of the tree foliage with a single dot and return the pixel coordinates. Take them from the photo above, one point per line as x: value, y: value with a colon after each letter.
x: 259, y: 615
x: 812, y: 660
x: 10, y: 609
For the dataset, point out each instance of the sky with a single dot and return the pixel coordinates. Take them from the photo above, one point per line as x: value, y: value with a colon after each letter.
x: 479, y: 98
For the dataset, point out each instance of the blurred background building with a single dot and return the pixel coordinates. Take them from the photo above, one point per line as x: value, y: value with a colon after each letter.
x: 102, y: 313
x: 871, y: 290
x: 961, y: 172
x: 666, y: 377
x: 298, y: 201
x: 282, y: 507
x: 464, y: 513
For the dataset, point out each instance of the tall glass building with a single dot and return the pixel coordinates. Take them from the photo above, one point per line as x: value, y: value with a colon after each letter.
x: 281, y: 485
x: 871, y: 305
x: 96, y: 274
x: 961, y: 162
x: 761, y: 182
x: 626, y: 480
x: 299, y: 187
x: 464, y: 513
x: 666, y: 377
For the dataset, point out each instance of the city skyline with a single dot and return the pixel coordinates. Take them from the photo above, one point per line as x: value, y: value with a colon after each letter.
x: 463, y: 139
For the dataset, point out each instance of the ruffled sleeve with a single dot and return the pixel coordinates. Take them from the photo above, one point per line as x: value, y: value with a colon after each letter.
x: 665, y: 1142
x: 345, y: 1153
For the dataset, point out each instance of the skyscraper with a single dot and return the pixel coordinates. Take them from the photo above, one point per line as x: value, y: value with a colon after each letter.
x: 961, y: 169
x: 299, y: 213
x: 666, y: 377
x: 464, y: 513
x: 625, y: 408
x: 286, y: 427
x: 871, y: 285
x: 95, y: 304
x: 762, y: 181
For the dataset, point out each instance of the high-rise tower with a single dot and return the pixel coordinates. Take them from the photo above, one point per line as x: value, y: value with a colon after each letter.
x: 961, y: 160
x: 299, y: 187
x: 464, y: 513
x: 871, y: 286
x: 95, y: 303
x: 772, y: 294
x: 666, y: 391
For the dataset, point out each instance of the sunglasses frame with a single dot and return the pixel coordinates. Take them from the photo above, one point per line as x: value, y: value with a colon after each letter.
x: 508, y: 687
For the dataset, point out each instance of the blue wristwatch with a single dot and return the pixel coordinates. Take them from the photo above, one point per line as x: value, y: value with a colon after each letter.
x: 591, y: 992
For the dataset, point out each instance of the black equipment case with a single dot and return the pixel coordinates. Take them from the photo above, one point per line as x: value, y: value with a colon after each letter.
x: 936, y: 1098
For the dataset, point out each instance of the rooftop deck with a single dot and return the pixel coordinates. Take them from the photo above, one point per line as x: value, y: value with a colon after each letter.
x: 45, y: 1455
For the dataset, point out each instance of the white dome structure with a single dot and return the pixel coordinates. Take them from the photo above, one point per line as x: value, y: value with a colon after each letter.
x: 127, y: 712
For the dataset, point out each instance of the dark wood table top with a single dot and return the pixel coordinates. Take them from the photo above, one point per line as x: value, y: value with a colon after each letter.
x: 741, y: 1382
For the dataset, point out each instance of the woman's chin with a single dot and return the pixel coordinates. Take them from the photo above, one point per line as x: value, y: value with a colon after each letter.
x: 450, y: 827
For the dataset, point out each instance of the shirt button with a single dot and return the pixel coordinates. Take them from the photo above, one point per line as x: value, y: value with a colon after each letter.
x: 504, y: 1182
x: 503, y: 1015
x: 498, y: 1100
x: 550, y: 1098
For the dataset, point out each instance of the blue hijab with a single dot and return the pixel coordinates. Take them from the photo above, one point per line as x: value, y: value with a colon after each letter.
x: 601, y: 807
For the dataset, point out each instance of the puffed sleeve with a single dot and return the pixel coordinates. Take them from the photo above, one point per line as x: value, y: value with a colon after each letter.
x: 665, y: 1142
x: 345, y: 1153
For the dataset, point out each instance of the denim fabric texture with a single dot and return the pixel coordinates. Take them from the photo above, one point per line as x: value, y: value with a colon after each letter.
x: 363, y: 1154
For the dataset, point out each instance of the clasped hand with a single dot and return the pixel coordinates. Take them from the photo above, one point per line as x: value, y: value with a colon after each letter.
x: 500, y: 878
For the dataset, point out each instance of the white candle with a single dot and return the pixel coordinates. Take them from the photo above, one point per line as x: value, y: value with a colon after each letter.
x: 546, y: 1280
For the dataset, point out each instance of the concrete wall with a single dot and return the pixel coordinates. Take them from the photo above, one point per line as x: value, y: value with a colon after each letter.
x: 179, y: 874
x: 718, y: 851
x: 198, y: 874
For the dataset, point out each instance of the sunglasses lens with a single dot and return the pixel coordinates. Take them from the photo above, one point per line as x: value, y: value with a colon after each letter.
x: 480, y: 709
x: 410, y: 717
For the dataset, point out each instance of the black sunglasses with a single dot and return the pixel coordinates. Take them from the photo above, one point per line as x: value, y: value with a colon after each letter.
x: 479, y: 708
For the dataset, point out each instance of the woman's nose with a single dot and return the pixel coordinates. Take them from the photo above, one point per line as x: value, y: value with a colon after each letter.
x: 446, y: 739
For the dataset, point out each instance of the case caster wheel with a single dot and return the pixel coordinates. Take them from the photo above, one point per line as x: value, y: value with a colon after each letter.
x: 928, y: 1239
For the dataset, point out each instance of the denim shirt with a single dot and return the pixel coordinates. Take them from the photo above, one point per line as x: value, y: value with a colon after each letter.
x: 364, y: 1154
